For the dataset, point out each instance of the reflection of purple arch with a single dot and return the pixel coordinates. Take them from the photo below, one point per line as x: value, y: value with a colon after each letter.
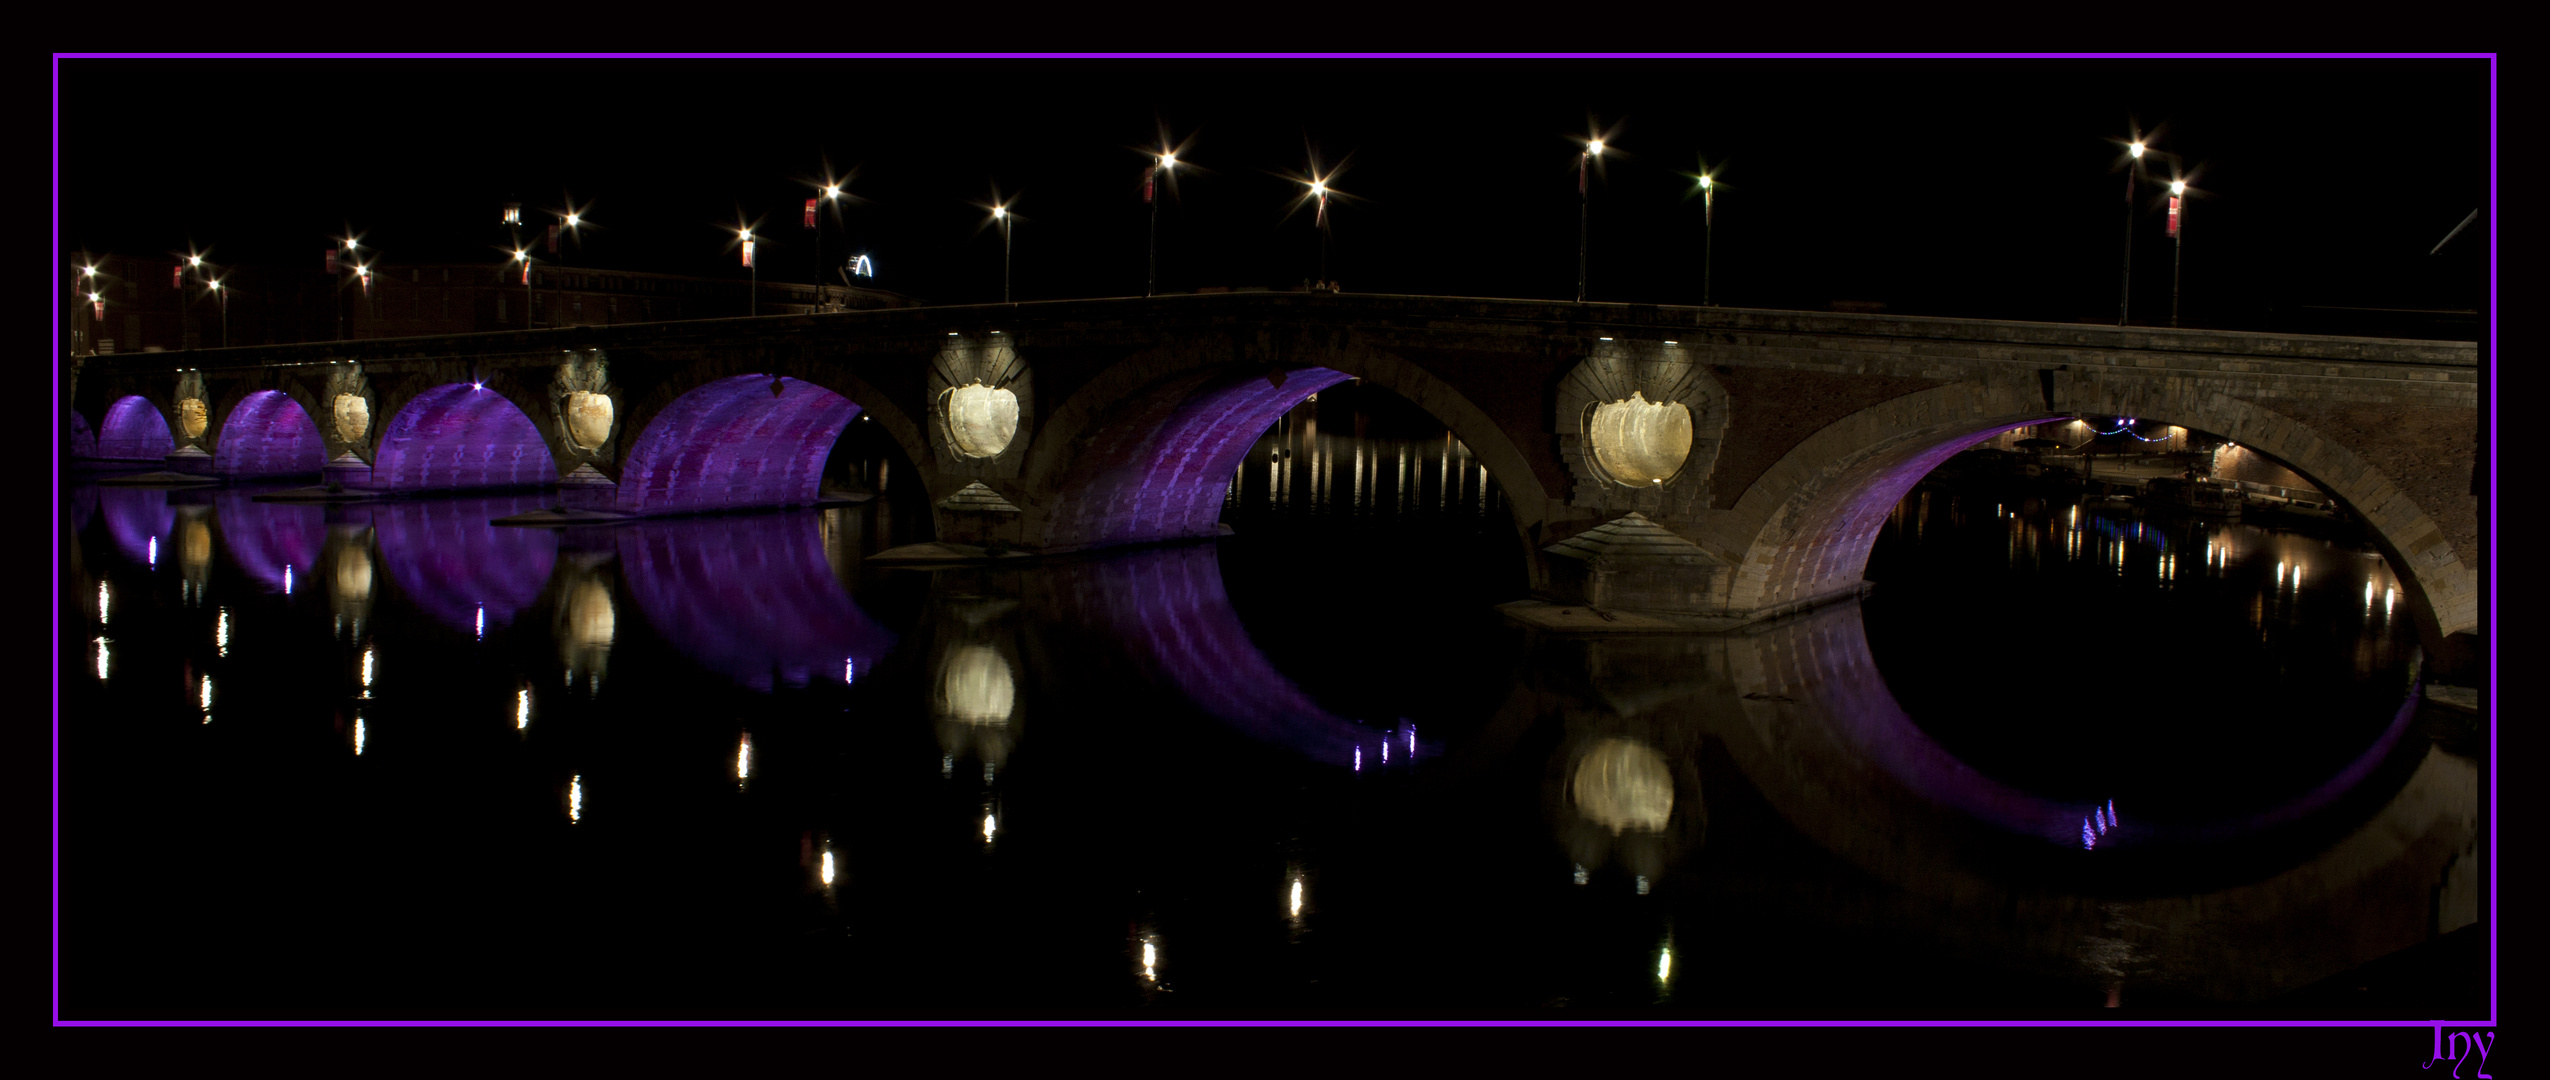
x: 1169, y: 608
x: 83, y: 506
x: 267, y: 539
x: 751, y: 598
x: 134, y: 431
x: 136, y: 516
x: 452, y: 564
x: 268, y: 434
x: 1159, y: 471
x: 731, y: 443
x: 461, y: 436
x: 1832, y: 666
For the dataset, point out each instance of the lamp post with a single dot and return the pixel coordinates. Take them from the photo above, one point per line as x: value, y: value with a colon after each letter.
x: 1000, y: 213
x: 814, y: 221
x: 361, y: 274
x: 2125, y: 300
x: 523, y: 256
x: 1319, y: 191
x: 1584, y: 209
x: 1708, y: 232
x: 1167, y: 161
x: 2177, y: 242
x: 224, y: 296
x: 753, y: 307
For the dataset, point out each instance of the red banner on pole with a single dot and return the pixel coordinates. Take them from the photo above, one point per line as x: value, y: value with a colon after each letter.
x: 748, y: 253
x: 177, y: 276
x: 810, y: 213
x: 2173, y: 215
x: 1147, y: 177
x: 100, y: 305
x: 331, y: 262
x: 526, y: 271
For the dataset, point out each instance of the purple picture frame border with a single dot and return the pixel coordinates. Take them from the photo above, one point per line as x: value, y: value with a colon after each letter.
x: 2488, y: 592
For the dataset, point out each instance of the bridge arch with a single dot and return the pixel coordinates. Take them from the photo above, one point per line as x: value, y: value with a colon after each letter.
x: 1145, y: 451
x: 267, y: 432
x: 1803, y: 531
x: 134, y: 430
x: 460, y: 435
x: 732, y: 442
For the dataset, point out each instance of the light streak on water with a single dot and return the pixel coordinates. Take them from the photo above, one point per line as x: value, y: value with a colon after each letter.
x: 101, y: 603
x: 1150, y: 961
x: 1297, y: 898
x: 849, y: 669
x: 575, y: 798
x: 1642, y: 885
x: 101, y: 659
x: 482, y: 622
x: 827, y: 866
x: 1664, y: 964
x: 522, y: 708
x: 152, y: 555
x: 744, y: 758
x: 287, y: 579
x: 1581, y: 876
x: 367, y: 668
x: 205, y: 698
x: 358, y: 734
x: 221, y: 632
x: 988, y: 826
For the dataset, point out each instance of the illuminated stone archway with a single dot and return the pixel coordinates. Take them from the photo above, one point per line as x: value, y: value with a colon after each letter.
x: 740, y: 441
x: 268, y: 433
x: 460, y: 435
x: 134, y: 431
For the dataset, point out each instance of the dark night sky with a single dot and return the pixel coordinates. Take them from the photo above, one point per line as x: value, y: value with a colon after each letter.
x: 1954, y: 187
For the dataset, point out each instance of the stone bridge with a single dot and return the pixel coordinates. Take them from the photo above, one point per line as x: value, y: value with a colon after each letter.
x: 1761, y: 450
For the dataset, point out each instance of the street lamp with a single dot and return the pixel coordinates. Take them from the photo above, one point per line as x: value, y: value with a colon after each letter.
x: 1000, y: 213
x: 1584, y: 205
x: 523, y: 256
x: 753, y: 307
x: 2125, y: 300
x: 814, y: 221
x: 1319, y: 192
x: 1708, y: 232
x: 224, y: 296
x: 2177, y: 242
x: 1166, y: 162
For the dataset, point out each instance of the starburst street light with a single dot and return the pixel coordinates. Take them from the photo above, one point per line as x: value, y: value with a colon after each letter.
x: 2177, y: 241
x: 1708, y: 187
x: 1166, y: 161
x: 2133, y: 170
x: 831, y: 190
x: 745, y: 235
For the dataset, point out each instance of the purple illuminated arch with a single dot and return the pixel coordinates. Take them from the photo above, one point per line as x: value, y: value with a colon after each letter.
x: 751, y: 598
x: 731, y: 443
x: 80, y: 439
x: 1159, y: 470
x: 134, y: 431
x: 461, y: 436
x: 453, y: 565
x: 1169, y: 608
x: 268, y: 434
x: 136, y: 516
x: 1833, y: 527
x: 264, y: 539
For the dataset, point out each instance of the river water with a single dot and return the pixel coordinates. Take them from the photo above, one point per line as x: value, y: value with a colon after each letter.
x: 389, y: 760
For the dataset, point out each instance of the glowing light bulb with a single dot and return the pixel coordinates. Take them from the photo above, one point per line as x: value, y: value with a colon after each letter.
x: 1595, y: 148
x: 2138, y: 150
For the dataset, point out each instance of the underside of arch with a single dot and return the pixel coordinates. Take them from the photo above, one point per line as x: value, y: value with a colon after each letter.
x: 134, y: 431
x: 269, y: 434
x: 461, y: 436
x: 733, y: 443
x: 1159, y: 467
